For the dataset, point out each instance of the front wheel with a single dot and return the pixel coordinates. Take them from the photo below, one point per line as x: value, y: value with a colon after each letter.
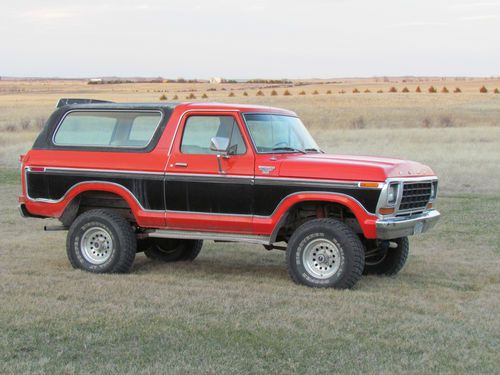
x: 325, y: 253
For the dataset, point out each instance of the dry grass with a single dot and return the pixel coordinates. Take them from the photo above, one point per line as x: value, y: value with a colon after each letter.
x: 234, y: 309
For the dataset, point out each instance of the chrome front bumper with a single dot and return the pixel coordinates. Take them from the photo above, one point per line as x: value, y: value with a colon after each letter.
x: 396, y: 227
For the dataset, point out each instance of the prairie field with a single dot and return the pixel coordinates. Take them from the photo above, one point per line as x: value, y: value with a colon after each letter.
x: 234, y: 309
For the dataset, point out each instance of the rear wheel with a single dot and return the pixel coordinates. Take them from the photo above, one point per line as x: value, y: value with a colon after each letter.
x: 325, y: 253
x: 172, y: 250
x: 386, y: 257
x: 101, y: 241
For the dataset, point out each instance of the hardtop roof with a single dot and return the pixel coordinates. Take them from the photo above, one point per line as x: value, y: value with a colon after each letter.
x: 184, y: 105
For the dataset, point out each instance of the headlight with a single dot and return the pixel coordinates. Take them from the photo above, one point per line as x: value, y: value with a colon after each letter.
x: 434, y: 190
x: 392, y: 193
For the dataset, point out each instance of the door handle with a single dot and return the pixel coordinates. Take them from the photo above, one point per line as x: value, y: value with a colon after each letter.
x: 183, y: 165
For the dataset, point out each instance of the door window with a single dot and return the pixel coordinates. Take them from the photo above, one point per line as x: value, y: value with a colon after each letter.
x: 199, y: 130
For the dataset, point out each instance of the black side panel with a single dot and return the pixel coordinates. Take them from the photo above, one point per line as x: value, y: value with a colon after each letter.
x: 147, y: 189
x: 268, y: 197
x: 227, y: 195
x: 230, y: 196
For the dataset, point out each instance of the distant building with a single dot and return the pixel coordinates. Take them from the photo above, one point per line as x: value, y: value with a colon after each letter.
x: 96, y: 80
x: 215, y: 80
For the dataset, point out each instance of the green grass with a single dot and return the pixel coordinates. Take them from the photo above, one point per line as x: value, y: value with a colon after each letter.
x: 10, y: 176
x: 234, y: 309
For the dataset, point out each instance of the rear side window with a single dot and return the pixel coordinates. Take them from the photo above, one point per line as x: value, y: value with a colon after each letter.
x: 133, y: 129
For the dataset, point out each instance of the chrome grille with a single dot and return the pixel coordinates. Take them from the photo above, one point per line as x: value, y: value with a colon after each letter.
x: 416, y: 195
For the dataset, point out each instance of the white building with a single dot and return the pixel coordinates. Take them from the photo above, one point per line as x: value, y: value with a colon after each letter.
x: 215, y: 80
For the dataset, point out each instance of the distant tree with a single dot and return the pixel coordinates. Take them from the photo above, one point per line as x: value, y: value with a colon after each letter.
x: 287, y: 93
x: 393, y: 89
x: 204, y: 96
x: 432, y: 89
x: 355, y: 91
x: 418, y: 89
x: 457, y: 90
x: 497, y: 91
x: 367, y: 91
x: 163, y: 97
x: 231, y: 94
x: 302, y: 92
x: 380, y: 91
x: 405, y: 89
x: 245, y: 93
x: 191, y: 96
x: 260, y: 93
x: 315, y: 92
x: 274, y: 93
x: 444, y: 90
x: 342, y: 91
x: 175, y: 97
x: 483, y: 90
x: 329, y: 92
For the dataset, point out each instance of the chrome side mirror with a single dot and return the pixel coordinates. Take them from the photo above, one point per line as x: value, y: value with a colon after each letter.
x: 219, y: 144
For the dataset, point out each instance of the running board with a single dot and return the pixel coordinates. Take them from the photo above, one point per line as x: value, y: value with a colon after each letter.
x: 210, y: 236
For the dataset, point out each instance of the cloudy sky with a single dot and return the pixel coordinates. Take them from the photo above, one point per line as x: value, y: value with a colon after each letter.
x: 244, y: 39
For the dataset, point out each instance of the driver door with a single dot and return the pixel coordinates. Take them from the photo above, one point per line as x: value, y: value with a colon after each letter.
x: 210, y: 190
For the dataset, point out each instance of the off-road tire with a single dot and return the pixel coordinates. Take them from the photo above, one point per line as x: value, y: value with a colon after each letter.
x: 173, y: 250
x: 343, y: 250
x: 121, y: 236
x: 393, y: 261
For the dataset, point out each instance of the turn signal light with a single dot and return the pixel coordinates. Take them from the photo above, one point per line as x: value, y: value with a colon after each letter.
x: 429, y: 206
x: 369, y: 184
x: 386, y: 211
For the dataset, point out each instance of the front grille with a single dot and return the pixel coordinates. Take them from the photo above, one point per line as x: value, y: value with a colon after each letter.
x: 416, y: 195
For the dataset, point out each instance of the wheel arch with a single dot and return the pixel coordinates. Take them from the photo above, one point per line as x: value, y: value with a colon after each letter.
x: 109, y: 195
x: 365, y: 219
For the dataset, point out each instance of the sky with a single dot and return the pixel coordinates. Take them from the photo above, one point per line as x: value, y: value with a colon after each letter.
x: 249, y: 39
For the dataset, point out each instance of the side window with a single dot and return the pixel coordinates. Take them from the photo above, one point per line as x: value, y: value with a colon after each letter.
x: 199, y: 130
x: 107, y: 129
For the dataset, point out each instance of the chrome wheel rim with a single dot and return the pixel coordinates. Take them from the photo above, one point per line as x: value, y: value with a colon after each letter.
x: 321, y: 258
x: 96, y: 245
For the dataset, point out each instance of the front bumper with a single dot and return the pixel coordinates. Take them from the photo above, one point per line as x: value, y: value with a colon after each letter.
x: 396, y: 227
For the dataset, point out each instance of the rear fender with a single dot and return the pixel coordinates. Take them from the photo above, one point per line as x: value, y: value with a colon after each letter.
x: 56, y: 208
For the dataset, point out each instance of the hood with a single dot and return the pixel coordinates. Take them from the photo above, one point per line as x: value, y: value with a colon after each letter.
x: 350, y: 167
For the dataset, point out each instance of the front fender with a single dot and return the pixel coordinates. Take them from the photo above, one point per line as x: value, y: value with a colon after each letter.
x: 366, y: 220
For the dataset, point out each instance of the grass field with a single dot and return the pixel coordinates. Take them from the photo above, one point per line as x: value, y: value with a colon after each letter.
x: 234, y: 309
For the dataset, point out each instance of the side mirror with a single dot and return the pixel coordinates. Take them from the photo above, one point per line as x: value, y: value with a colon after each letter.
x: 219, y: 144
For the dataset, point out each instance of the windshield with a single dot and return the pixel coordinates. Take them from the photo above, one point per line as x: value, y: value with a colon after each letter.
x: 278, y: 133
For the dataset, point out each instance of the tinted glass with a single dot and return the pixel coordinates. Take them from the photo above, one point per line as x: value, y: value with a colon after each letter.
x: 199, y: 131
x: 107, y: 129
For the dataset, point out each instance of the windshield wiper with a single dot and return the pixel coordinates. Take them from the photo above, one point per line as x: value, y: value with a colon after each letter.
x: 314, y: 150
x: 288, y: 149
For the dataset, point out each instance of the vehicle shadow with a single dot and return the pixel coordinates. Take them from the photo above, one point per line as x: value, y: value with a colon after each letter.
x: 223, y: 265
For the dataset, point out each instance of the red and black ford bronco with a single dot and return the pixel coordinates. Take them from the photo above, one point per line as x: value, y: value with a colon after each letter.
x: 161, y: 178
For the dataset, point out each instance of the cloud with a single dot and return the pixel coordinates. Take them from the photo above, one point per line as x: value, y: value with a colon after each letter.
x: 481, y: 17
x: 418, y: 24
x: 491, y: 4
